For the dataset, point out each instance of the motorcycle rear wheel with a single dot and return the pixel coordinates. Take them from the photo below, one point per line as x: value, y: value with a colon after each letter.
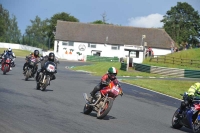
x: 37, y: 86
x: 87, y: 109
x: 195, y: 127
x: 103, y: 111
x: 175, y: 121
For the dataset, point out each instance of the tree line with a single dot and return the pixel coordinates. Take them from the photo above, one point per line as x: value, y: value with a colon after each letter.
x: 181, y: 22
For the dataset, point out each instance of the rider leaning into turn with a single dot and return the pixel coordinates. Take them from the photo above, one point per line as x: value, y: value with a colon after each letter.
x: 105, y: 80
x: 50, y: 57
x: 35, y: 55
x: 193, y: 91
x: 11, y: 54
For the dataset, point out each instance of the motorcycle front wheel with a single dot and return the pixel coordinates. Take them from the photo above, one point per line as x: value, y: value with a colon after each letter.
x: 103, y: 111
x: 5, y: 69
x: 176, y: 121
x: 47, y: 80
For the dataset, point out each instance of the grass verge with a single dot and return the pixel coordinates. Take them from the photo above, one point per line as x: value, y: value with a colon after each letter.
x: 169, y: 87
x: 17, y: 52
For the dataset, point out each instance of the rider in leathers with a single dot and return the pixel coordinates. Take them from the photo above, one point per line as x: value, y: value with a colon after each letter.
x: 193, y: 91
x: 12, y: 56
x: 45, y: 59
x: 34, y: 55
x: 105, y: 81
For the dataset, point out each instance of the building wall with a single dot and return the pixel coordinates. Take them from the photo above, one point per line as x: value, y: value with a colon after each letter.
x: 105, y: 49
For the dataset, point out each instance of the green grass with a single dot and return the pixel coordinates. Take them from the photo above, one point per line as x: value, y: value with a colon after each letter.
x: 17, y: 52
x: 169, y: 87
x: 100, y: 68
x: 185, y: 54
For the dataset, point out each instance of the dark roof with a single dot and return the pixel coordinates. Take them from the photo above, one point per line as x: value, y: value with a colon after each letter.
x: 97, y: 33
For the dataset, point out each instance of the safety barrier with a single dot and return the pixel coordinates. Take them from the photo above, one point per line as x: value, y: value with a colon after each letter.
x: 175, y: 72
x: 102, y: 59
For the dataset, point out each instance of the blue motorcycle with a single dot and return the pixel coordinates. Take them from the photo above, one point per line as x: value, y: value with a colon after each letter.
x: 190, y: 117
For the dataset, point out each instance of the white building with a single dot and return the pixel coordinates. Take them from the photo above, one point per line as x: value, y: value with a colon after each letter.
x: 72, y: 38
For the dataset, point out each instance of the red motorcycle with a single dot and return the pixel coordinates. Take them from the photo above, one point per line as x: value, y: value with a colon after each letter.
x: 5, y: 64
x: 104, y: 100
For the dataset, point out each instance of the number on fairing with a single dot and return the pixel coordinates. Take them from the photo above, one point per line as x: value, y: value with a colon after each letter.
x: 116, y: 89
x: 51, y: 68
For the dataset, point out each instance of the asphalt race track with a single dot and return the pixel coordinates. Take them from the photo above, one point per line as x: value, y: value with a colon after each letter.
x: 23, y: 109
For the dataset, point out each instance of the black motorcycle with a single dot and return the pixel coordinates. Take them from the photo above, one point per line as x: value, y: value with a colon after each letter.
x: 46, y: 75
x: 30, y: 68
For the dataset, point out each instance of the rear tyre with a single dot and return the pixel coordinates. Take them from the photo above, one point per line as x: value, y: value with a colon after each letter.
x: 176, y: 121
x: 103, y: 111
x: 87, y: 109
x: 37, y: 86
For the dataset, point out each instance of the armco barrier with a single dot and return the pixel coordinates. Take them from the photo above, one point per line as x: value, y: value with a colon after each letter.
x: 192, y: 74
x: 142, y: 68
x: 167, y: 71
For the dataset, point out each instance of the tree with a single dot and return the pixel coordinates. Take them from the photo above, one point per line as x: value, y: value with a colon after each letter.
x: 9, y: 31
x: 53, y: 21
x: 36, y: 34
x: 13, y: 31
x: 182, y: 23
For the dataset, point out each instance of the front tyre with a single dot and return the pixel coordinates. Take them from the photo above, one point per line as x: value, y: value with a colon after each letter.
x: 87, y: 109
x: 176, y: 121
x: 103, y: 111
x: 5, y: 69
x: 47, y: 80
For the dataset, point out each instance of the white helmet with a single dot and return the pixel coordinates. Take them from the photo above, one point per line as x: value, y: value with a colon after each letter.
x: 9, y: 50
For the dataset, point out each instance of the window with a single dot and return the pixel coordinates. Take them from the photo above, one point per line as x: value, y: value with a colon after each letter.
x: 93, y: 45
x: 115, y: 47
x: 71, y: 44
x: 65, y: 43
x: 68, y: 43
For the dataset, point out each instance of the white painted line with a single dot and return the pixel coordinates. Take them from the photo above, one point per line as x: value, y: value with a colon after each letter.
x: 125, y: 76
x: 152, y: 77
x: 139, y: 76
x: 162, y: 77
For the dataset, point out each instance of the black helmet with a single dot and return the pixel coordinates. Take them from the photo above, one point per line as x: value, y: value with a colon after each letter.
x: 36, y: 53
x: 51, y: 56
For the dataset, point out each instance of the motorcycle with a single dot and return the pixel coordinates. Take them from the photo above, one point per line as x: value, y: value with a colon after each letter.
x: 190, y: 117
x: 45, y: 76
x: 103, y: 102
x: 30, y: 68
x: 5, y: 64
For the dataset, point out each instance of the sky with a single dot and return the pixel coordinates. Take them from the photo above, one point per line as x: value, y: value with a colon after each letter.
x: 136, y: 13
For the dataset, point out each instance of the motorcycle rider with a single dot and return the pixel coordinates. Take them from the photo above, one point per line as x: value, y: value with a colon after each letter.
x: 193, y: 91
x: 10, y: 54
x: 105, y: 81
x: 35, y: 55
x: 50, y: 57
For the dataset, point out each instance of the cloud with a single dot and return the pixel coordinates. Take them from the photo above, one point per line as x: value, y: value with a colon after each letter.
x: 150, y: 21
